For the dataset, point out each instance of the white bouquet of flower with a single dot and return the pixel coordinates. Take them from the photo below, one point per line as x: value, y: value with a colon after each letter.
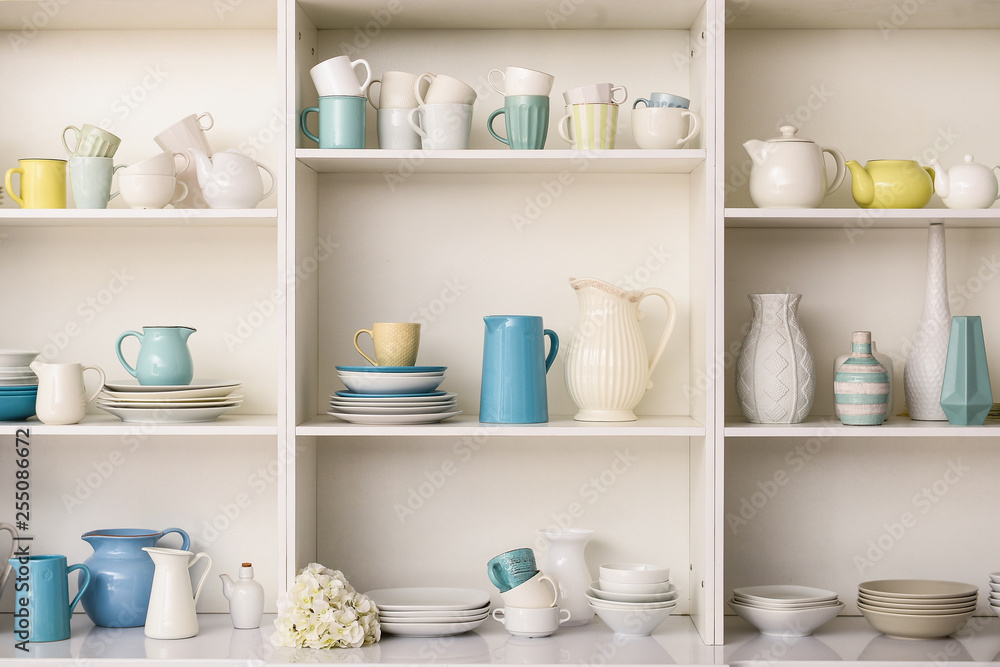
x: 322, y: 610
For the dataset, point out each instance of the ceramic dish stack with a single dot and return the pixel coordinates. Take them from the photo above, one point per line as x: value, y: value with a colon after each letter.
x: 430, y: 612
x: 917, y: 608
x: 633, y: 598
x: 785, y: 610
x: 18, y: 385
x: 392, y: 395
x: 200, y: 401
x: 995, y: 593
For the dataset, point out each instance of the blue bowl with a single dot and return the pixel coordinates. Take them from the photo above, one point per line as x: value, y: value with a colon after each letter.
x: 16, y: 408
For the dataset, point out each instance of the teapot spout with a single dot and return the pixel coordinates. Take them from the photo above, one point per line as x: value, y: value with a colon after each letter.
x: 757, y: 150
x: 203, y: 166
x: 942, y: 183
x: 862, y: 185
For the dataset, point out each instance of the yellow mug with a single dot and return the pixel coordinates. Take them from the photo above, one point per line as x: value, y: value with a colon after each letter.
x: 395, y: 343
x: 43, y: 183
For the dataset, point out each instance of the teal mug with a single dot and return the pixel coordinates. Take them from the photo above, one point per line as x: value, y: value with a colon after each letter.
x: 42, y: 608
x: 664, y: 100
x: 512, y: 568
x: 341, y: 121
x: 527, y: 120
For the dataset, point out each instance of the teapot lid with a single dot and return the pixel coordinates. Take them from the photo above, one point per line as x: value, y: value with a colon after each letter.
x: 788, y: 133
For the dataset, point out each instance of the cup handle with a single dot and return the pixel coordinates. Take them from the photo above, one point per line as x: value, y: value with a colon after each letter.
x: 114, y: 170
x: 997, y: 197
x: 302, y: 123
x: 410, y: 118
x: 100, y: 373
x: 667, y: 330
x: 489, y: 124
x: 118, y: 349
x: 644, y: 101
x: 498, y: 614
x: 624, y: 94
x: 76, y: 130
x: 503, y: 77
x: 83, y: 586
x: 356, y: 347
x: 368, y: 72
x: 368, y: 93
x: 416, y: 87
x: 10, y: 186
x: 211, y: 121
x: 555, y: 589
x: 274, y: 181
x: 565, y: 129
x: 5, y: 573
x: 184, y: 192
x: 553, y: 349
x: 187, y: 162
x: 185, y: 540
x: 568, y: 616
x: 696, y: 127
x: 197, y: 557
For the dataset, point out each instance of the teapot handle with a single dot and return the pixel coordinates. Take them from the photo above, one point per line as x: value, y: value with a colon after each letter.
x: 274, y: 181
x: 994, y: 169
x: 669, y: 329
x: 118, y: 349
x: 197, y: 557
x: 838, y: 177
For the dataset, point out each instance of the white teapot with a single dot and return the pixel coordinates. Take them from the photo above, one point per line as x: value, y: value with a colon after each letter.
x: 966, y: 185
x: 789, y: 172
x: 229, y: 179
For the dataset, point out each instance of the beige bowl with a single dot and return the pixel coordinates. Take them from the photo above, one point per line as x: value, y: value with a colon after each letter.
x: 925, y: 589
x: 904, y: 605
x: 915, y: 627
x: 919, y: 612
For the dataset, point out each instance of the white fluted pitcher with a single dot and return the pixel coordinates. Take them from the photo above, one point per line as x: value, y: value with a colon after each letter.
x: 607, y: 369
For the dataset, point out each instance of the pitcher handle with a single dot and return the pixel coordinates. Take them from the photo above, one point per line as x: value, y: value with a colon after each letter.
x: 669, y: 329
x: 83, y: 585
x: 198, y: 556
x: 118, y: 349
x: 185, y: 540
x: 13, y: 545
x: 553, y: 348
x: 104, y: 379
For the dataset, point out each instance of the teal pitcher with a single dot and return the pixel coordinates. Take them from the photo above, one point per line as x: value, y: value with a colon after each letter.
x: 514, y: 367
x: 164, y: 357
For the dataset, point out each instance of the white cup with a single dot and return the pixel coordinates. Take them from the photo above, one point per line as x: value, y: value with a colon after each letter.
x: 522, y: 81
x: 596, y: 93
x: 337, y: 76
x: 189, y: 132
x: 62, y: 397
x: 150, y: 190
x: 664, y: 127
x: 539, y: 591
x: 161, y: 164
x: 531, y: 622
x: 394, y: 131
x: 397, y: 90
x: 442, y: 126
x: 443, y: 89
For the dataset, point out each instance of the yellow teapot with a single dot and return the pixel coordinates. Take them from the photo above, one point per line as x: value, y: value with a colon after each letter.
x: 891, y: 184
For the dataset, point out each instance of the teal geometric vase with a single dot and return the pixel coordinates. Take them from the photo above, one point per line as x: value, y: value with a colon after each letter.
x: 966, y: 396
x: 861, y: 385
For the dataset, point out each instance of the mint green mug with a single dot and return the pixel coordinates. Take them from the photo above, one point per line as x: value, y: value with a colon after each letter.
x: 527, y: 120
x: 341, y: 121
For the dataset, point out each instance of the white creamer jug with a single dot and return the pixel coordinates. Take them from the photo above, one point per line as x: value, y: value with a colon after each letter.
x: 171, y: 613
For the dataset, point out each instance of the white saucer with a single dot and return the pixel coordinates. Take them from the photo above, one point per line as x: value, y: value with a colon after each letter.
x: 394, y: 400
x: 149, y: 392
x: 430, y: 629
x: 392, y: 410
x: 394, y: 419
x: 166, y: 416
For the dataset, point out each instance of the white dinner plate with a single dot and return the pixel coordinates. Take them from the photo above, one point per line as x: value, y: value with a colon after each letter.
x: 153, y: 405
x: 443, y: 618
x: 429, y: 629
x: 133, y: 386
x: 428, y: 598
x: 139, y: 399
x: 426, y: 614
x: 13, y: 358
x: 394, y: 419
x: 18, y: 382
x: 392, y: 410
x: 785, y: 593
x: 166, y: 416
x: 443, y: 397
x: 151, y: 392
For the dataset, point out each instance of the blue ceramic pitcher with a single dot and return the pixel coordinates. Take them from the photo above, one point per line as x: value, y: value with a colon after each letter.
x: 164, y: 357
x: 514, y: 368
x: 118, y: 596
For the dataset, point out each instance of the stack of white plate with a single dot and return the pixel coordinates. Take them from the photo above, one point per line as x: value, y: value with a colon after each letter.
x: 785, y: 610
x: 633, y: 598
x: 995, y: 593
x: 917, y: 608
x: 18, y: 385
x: 200, y: 401
x: 392, y: 395
x: 430, y: 612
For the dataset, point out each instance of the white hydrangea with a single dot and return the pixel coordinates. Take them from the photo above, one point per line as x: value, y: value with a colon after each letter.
x: 322, y: 610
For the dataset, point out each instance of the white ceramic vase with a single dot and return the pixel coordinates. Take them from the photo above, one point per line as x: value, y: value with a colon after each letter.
x: 883, y: 359
x: 775, y: 374
x: 567, y: 565
x: 923, y: 373
x: 607, y: 369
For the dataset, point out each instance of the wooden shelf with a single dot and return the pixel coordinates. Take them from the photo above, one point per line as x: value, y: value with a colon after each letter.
x: 125, y: 217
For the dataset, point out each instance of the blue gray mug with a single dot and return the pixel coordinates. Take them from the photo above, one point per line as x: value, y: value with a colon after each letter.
x: 512, y: 568
x: 663, y: 100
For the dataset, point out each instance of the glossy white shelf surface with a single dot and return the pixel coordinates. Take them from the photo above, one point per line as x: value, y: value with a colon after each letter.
x: 860, y: 218
x: 861, y: 14
x: 496, y: 161
x: 22, y: 16
x: 675, y: 426
x: 231, y: 424
x: 829, y: 426
x: 118, y: 217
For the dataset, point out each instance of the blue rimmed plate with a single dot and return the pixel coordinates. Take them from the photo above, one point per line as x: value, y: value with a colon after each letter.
x: 350, y: 394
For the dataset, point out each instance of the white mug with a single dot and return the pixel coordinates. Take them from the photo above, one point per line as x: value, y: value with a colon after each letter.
x: 188, y: 132
x: 522, y: 81
x: 596, y: 93
x: 394, y: 130
x: 537, y: 592
x: 442, y: 126
x: 397, y: 90
x: 161, y: 164
x: 337, y: 76
x: 62, y: 397
x: 151, y: 190
x: 443, y: 89
x: 664, y: 127
x: 531, y: 622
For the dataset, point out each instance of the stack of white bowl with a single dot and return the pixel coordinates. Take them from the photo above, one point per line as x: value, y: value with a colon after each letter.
x: 633, y: 598
x: 995, y: 593
x: 917, y: 608
x: 785, y: 610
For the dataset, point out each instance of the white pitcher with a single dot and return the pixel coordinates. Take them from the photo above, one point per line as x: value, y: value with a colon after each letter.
x: 62, y: 397
x: 607, y: 370
x: 171, y: 613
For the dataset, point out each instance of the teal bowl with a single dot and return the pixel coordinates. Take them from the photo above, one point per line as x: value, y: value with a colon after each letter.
x: 17, y: 408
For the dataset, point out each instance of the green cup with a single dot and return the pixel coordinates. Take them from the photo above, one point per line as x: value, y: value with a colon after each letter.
x: 341, y: 121
x: 527, y: 119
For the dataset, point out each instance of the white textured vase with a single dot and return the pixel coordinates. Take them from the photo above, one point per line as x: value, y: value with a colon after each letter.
x: 775, y: 374
x: 607, y: 370
x: 923, y: 373
x: 883, y: 359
